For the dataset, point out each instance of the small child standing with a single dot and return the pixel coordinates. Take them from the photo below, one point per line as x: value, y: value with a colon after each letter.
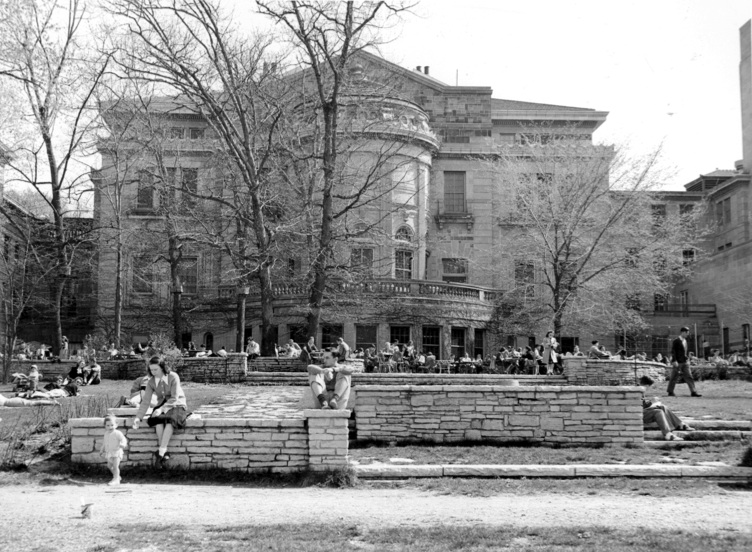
x: 112, y: 448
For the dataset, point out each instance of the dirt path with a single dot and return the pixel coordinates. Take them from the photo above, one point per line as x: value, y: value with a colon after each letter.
x: 57, y: 509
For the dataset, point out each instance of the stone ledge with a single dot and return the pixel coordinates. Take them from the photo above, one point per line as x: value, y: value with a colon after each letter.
x: 318, y: 413
x: 376, y: 471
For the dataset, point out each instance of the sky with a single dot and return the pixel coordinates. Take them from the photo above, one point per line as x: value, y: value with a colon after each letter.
x: 667, y: 71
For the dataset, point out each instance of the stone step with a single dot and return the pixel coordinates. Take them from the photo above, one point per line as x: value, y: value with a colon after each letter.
x: 661, y: 444
x: 701, y: 435
x: 741, y: 425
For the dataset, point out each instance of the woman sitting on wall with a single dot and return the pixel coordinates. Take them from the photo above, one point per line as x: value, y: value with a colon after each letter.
x: 170, y: 412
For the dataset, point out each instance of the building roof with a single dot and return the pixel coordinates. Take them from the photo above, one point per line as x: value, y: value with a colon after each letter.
x: 710, y: 180
x: 516, y: 105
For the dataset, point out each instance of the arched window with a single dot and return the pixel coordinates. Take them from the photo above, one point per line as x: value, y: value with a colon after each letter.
x: 404, y: 233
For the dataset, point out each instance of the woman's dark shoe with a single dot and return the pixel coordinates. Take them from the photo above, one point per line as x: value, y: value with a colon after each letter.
x: 163, y: 459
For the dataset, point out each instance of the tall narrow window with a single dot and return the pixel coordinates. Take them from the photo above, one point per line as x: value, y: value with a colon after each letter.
x: 190, y: 186
x: 432, y: 340
x: 145, y: 194
x: 454, y: 192
x: 189, y: 275
x: 403, y: 264
x: 143, y: 274
x: 524, y: 277
x: 458, y: 342
x: 479, y: 345
x: 365, y: 336
x: 361, y: 261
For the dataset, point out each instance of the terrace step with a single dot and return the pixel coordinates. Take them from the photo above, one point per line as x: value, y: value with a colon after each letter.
x: 741, y: 425
x: 291, y: 378
x: 701, y: 435
x: 661, y: 444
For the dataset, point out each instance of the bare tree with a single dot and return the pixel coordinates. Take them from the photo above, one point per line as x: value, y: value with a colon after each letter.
x: 195, y: 54
x: 26, y: 263
x: 327, y: 38
x: 592, y: 239
x: 43, y: 54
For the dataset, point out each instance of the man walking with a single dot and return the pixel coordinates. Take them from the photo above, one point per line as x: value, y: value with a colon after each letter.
x: 680, y: 364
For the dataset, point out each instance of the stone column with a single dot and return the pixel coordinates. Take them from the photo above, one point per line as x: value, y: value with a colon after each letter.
x: 327, y: 439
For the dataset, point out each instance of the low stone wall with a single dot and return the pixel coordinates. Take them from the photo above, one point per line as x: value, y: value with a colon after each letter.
x: 318, y: 441
x: 273, y: 364
x: 545, y: 414
x: 589, y: 371
x: 229, y: 369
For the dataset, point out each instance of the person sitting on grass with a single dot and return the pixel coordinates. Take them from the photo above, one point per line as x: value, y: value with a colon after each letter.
x: 330, y: 383
x: 655, y: 412
x: 94, y: 374
x: 19, y: 401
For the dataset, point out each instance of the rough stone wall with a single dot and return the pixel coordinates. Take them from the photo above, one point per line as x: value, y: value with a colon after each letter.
x: 317, y: 442
x: 545, y: 414
x: 230, y: 369
x: 269, y: 364
x: 585, y: 371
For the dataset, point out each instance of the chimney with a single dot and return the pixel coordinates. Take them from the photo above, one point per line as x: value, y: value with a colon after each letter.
x: 426, y: 69
x: 418, y: 68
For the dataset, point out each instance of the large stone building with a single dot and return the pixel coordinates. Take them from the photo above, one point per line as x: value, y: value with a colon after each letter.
x: 717, y: 300
x: 437, y: 256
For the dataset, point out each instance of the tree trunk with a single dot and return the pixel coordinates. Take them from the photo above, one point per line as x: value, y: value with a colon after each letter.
x: 267, y: 310
x: 118, y: 290
x: 240, y: 328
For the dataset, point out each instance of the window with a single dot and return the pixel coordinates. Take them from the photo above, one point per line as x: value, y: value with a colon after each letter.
x: 177, y: 133
x: 361, y: 260
x: 365, y: 336
x: 431, y: 340
x: 745, y: 332
x: 188, y: 271
x: 454, y: 270
x: 298, y: 333
x: 686, y: 209
x: 293, y: 267
x: 189, y: 179
x: 454, y: 192
x: 143, y: 275
x: 404, y: 233
x: 688, y: 257
x: 524, y: 277
x: 197, y: 133
x: 403, y: 264
x: 659, y: 213
x: 330, y: 333
x: 479, y: 348
x: 458, y: 342
x: 723, y: 212
x: 400, y: 334
x: 660, y: 301
x: 145, y: 194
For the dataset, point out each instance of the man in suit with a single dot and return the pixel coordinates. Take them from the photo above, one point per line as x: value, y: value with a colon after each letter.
x: 680, y: 364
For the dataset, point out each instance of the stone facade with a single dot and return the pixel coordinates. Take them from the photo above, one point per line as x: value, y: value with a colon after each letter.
x: 317, y: 442
x: 545, y: 414
x: 589, y: 371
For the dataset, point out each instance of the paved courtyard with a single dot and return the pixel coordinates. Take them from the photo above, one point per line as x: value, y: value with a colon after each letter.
x: 271, y: 402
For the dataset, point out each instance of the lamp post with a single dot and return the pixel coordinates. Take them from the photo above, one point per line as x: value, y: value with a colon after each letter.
x: 242, y: 292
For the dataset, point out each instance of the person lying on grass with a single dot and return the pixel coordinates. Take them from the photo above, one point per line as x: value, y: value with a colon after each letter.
x: 655, y: 412
x: 19, y: 401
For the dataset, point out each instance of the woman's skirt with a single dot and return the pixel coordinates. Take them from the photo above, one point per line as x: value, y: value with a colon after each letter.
x: 176, y: 416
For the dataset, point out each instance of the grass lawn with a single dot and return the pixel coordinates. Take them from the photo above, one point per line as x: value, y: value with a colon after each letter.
x: 315, y: 538
x: 726, y: 400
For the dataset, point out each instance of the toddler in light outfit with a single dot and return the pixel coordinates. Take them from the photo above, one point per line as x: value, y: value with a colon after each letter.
x: 112, y: 448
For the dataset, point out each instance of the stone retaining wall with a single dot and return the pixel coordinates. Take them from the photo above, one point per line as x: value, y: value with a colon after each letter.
x: 229, y: 369
x: 589, y: 371
x: 318, y: 441
x: 273, y: 364
x: 543, y: 414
